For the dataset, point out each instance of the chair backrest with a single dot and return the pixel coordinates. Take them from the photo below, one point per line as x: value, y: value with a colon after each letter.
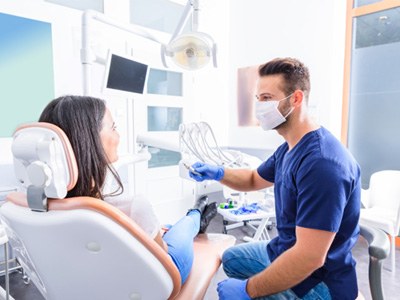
x: 82, y: 247
x: 384, y: 189
x: 44, y: 162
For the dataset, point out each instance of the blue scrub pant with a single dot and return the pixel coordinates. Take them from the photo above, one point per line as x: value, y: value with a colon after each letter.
x: 179, y: 239
x: 245, y: 260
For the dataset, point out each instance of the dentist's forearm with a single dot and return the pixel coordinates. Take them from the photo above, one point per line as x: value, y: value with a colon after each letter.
x: 285, y: 272
x: 294, y: 265
x: 243, y: 180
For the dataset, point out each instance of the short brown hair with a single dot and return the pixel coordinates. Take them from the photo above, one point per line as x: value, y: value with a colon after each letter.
x: 295, y: 74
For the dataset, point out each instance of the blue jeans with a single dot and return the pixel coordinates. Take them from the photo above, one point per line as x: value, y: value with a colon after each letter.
x: 179, y: 239
x: 245, y: 260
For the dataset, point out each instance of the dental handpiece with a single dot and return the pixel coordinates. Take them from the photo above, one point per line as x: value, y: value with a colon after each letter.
x: 191, y: 170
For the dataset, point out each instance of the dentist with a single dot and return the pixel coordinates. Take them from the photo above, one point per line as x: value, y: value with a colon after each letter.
x: 317, y: 201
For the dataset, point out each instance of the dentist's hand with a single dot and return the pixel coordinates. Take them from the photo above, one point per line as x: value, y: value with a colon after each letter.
x: 232, y: 288
x: 206, y: 171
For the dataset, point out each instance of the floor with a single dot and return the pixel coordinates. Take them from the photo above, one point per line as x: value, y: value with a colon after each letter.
x: 391, y: 282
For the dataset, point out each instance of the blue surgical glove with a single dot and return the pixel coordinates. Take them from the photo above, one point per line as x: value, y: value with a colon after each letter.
x: 232, y: 288
x: 206, y: 171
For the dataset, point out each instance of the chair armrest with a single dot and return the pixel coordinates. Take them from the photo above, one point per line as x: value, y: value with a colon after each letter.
x: 208, y: 249
x: 378, y: 250
x: 379, y: 245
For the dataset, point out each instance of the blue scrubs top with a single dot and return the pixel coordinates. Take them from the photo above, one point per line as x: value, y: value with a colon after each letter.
x: 317, y: 185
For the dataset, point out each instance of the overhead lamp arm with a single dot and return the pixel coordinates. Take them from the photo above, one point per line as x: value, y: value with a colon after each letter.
x: 191, y: 7
x: 195, y: 15
x: 192, y: 50
x: 183, y: 20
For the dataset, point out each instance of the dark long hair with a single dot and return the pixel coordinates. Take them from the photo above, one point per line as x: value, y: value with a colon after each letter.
x: 80, y: 117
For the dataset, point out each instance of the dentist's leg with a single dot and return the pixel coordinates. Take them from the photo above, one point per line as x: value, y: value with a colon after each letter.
x: 245, y: 260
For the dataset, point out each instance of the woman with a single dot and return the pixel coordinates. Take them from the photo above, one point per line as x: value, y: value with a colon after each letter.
x: 92, y: 133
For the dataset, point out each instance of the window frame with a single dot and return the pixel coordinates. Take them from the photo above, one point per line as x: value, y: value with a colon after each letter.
x: 350, y: 14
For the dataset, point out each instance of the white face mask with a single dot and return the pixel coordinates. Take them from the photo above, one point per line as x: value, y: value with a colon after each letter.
x: 268, y: 114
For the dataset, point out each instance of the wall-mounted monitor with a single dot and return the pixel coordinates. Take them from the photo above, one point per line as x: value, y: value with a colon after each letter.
x: 125, y: 74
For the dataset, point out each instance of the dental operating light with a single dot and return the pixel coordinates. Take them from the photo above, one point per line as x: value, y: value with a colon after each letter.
x: 193, y: 50
x: 190, y: 51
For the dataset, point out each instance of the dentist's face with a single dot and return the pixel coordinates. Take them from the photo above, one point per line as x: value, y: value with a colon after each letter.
x: 109, y: 137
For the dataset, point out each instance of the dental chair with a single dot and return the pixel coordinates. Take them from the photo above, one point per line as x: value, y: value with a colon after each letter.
x: 381, y: 210
x: 82, y: 247
x: 378, y: 250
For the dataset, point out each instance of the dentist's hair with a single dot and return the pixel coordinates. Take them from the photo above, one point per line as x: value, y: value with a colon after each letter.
x: 294, y: 72
x: 81, y: 117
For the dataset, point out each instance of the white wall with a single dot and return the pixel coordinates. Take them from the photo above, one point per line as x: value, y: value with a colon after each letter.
x: 312, y: 31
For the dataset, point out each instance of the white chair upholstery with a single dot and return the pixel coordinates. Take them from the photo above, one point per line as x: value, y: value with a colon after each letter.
x: 84, y: 248
x: 382, y: 206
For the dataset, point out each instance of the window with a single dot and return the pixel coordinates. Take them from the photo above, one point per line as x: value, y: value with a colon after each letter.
x: 358, y: 3
x: 162, y: 82
x: 372, y: 94
x: 163, y: 158
x: 378, y: 28
x: 26, y: 51
x: 163, y: 119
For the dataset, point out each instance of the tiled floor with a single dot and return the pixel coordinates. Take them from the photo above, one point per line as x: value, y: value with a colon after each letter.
x: 391, y: 282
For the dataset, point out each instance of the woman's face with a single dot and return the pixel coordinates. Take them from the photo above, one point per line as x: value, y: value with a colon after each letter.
x: 109, y: 137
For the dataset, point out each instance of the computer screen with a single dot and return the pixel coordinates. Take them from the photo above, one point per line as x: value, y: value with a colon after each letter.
x: 125, y: 74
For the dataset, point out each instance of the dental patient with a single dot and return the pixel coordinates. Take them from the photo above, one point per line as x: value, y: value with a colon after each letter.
x: 91, y: 130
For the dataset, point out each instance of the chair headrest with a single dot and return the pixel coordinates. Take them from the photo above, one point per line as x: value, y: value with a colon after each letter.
x: 44, y: 163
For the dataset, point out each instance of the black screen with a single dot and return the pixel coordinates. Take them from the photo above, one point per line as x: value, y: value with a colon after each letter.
x: 126, y: 75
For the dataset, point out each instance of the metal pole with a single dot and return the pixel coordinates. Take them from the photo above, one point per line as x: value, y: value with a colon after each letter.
x: 6, y: 270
